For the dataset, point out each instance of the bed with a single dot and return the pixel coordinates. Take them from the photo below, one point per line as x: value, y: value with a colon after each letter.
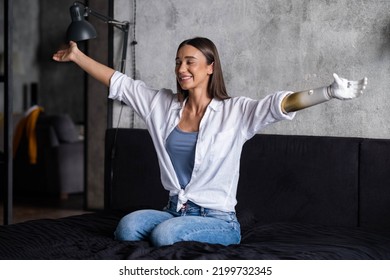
x: 299, y: 197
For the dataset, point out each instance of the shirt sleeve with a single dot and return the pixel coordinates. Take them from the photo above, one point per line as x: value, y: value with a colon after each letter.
x: 133, y: 93
x: 260, y: 113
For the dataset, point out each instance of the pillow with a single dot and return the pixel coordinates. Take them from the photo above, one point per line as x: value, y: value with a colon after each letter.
x: 65, y: 129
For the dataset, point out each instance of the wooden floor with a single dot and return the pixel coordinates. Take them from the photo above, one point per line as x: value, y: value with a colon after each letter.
x: 25, y: 209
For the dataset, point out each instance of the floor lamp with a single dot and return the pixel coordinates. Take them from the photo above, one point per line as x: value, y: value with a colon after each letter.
x: 81, y: 30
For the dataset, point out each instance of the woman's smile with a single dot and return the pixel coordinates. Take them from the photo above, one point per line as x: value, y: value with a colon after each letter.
x: 185, y: 78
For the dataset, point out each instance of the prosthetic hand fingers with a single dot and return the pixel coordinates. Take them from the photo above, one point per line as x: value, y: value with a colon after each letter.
x: 345, y: 89
x: 357, y: 87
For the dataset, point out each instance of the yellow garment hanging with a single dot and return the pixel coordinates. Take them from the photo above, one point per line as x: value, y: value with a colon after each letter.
x: 28, y: 124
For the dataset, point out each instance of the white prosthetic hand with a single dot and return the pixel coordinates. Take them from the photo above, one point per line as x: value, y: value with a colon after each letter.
x: 341, y: 89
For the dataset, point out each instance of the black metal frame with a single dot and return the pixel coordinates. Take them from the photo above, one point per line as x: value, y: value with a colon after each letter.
x: 8, y: 108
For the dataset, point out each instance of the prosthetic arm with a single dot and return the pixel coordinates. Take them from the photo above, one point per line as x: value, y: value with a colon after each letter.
x: 342, y: 89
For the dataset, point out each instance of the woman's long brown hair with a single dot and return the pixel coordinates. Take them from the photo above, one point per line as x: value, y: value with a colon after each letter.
x: 216, y: 87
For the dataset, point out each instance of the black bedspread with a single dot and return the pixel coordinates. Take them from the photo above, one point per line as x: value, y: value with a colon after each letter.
x: 90, y: 236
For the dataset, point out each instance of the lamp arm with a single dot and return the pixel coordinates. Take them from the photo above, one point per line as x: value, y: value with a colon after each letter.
x: 122, y: 25
x: 124, y: 48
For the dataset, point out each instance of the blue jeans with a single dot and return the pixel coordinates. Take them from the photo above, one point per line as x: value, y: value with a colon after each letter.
x: 192, y: 223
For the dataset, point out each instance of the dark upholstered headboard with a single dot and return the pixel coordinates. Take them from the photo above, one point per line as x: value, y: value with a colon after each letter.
x: 132, y: 174
x: 300, y: 179
x: 374, y: 195
x: 311, y: 179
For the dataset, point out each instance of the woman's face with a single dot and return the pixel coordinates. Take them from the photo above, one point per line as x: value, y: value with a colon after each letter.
x: 192, y: 70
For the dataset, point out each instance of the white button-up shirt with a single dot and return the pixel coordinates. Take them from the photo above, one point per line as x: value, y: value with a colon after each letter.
x: 224, y: 128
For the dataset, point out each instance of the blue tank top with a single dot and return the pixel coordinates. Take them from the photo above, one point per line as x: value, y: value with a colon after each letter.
x: 180, y: 146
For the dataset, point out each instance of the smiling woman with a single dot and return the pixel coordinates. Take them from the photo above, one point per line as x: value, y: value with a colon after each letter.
x: 205, y: 50
x: 198, y: 135
x: 192, y: 70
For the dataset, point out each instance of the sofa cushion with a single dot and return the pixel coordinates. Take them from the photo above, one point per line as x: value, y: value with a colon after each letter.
x: 65, y: 128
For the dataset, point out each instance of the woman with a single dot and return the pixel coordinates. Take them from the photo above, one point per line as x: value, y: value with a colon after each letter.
x: 198, y: 135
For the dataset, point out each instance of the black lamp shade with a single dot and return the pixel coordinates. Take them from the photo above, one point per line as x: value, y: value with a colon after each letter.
x: 79, y: 29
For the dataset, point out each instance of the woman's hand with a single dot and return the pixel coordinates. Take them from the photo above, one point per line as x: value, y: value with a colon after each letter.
x: 67, y: 54
x: 344, y: 89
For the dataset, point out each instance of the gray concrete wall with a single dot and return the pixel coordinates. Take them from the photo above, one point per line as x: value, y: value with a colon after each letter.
x: 269, y: 45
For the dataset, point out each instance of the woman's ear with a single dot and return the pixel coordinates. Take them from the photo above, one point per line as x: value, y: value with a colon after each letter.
x: 211, y: 68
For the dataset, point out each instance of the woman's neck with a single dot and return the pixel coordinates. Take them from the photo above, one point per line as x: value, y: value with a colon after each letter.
x: 193, y: 112
x: 197, y: 103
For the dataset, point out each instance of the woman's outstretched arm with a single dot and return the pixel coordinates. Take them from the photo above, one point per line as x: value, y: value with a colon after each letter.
x: 342, y: 89
x: 99, y: 71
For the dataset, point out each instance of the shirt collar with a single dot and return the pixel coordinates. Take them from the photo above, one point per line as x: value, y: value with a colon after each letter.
x: 215, y: 104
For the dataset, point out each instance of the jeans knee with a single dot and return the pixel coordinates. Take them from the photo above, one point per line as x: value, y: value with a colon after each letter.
x: 121, y: 235
x: 126, y: 230
x: 139, y: 224
x: 162, y: 236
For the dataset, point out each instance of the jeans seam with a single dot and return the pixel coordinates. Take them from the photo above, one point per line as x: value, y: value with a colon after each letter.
x: 236, y: 231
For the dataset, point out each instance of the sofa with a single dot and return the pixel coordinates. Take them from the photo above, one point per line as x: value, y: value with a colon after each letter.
x: 299, y: 197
